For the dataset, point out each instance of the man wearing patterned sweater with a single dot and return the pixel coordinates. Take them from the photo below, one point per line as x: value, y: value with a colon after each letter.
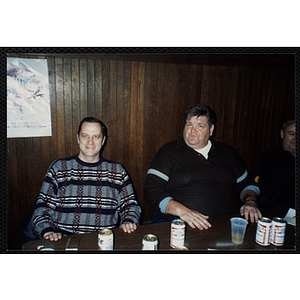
x: 85, y: 192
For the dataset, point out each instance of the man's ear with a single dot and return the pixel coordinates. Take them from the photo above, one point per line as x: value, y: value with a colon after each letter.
x: 281, y: 133
x: 211, y: 129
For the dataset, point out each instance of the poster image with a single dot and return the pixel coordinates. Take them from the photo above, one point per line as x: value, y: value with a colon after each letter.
x: 28, y: 101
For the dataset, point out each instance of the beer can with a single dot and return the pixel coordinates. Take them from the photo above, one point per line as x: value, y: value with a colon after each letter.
x: 182, y: 248
x: 149, y: 242
x: 263, y: 230
x: 278, y: 231
x: 105, y: 239
x: 177, y: 233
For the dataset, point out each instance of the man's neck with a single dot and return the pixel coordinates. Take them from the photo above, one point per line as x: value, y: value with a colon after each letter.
x: 88, y: 159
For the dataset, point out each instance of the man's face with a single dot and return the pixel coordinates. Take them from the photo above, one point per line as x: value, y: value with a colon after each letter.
x: 90, y: 141
x: 289, y: 138
x: 196, y: 132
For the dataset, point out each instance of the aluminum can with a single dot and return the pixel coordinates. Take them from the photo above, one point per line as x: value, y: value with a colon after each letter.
x: 177, y: 233
x: 149, y: 242
x: 278, y: 231
x: 182, y: 248
x: 263, y: 231
x: 105, y: 239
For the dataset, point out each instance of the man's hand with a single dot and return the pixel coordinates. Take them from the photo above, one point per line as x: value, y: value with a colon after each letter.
x: 128, y: 227
x: 52, y: 236
x: 250, y: 209
x: 192, y: 217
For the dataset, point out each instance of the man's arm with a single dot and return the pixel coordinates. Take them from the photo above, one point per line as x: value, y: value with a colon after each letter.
x: 42, y: 215
x: 247, y: 189
x: 129, y: 209
x: 163, y: 203
x: 193, y: 218
x: 157, y: 179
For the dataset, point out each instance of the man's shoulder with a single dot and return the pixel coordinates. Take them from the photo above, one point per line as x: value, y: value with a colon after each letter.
x: 112, y: 164
x: 273, y: 150
x: 222, y: 146
x: 173, y: 144
x: 224, y: 151
x: 169, y: 147
x: 61, y: 161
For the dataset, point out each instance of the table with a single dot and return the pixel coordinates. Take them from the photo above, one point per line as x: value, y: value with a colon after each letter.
x: 215, y: 239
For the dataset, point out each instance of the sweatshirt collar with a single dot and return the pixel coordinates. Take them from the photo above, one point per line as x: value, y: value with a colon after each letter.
x: 81, y: 162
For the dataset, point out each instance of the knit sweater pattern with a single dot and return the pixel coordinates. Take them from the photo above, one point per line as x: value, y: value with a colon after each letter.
x: 78, y: 197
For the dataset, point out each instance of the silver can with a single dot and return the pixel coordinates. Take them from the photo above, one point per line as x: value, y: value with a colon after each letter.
x: 278, y: 231
x: 182, y: 248
x: 263, y: 231
x: 177, y: 233
x: 105, y: 239
x: 149, y: 242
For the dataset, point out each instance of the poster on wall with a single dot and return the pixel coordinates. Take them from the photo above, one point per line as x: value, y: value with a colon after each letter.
x: 28, y: 101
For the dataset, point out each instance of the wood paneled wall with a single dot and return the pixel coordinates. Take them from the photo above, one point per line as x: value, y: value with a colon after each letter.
x: 142, y: 103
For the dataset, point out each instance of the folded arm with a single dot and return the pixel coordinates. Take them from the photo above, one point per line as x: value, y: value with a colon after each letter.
x: 191, y: 217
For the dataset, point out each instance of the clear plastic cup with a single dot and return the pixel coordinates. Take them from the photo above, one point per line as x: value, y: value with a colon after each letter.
x: 238, y: 229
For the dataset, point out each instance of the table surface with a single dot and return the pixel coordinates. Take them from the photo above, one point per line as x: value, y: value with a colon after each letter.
x: 217, y: 238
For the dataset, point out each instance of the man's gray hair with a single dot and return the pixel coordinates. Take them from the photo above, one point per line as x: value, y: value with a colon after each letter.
x: 287, y: 124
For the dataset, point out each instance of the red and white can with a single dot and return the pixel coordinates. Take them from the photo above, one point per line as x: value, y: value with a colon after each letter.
x: 278, y: 231
x: 263, y: 231
x: 177, y: 233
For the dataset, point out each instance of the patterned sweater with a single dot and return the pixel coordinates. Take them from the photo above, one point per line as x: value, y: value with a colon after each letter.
x: 78, y: 197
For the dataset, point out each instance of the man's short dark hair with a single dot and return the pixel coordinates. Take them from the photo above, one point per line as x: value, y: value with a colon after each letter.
x: 201, y: 110
x: 93, y: 120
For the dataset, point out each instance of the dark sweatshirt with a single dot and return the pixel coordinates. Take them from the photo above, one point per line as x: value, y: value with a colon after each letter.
x: 211, y: 187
